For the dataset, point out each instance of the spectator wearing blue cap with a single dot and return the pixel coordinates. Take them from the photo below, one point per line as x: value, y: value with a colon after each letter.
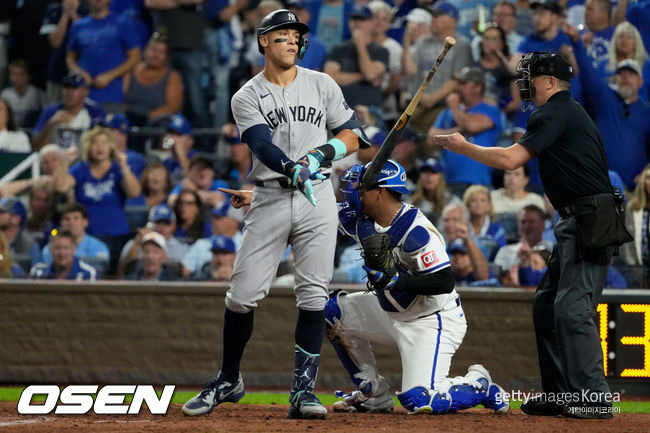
x: 119, y: 124
x: 65, y: 265
x: 63, y: 123
x: 153, y: 88
x: 225, y: 221
x: 220, y: 266
x: 88, y: 248
x: 469, y: 114
x: 178, y: 141
x: 162, y: 219
x: 418, y: 60
x: 620, y: 115
x: 462, y: 267
x: 358, y: 66
x: 103, y: 47
x: 24, y: 249
x: 431, y: 193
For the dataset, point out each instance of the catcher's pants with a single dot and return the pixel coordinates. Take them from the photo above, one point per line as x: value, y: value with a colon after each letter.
x: 277, y: 217
x: 426, y: 345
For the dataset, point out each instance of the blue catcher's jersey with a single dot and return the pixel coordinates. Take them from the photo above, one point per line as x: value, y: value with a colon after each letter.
x: 419, y: 248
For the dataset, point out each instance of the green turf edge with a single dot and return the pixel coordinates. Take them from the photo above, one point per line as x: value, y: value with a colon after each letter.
x: 12, y: 394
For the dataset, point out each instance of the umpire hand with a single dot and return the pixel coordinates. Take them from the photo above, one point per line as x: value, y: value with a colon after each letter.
x: 300, y: 177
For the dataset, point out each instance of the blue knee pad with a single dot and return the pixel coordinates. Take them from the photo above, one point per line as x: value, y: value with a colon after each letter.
x: 419, y: 400
x: 333, y: 311
x: 465, y: 396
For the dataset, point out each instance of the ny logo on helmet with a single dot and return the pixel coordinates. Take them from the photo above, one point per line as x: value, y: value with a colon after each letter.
x: 292, y: 17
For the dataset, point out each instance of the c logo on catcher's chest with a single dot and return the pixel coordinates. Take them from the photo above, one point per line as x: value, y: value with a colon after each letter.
x: 429, y: 259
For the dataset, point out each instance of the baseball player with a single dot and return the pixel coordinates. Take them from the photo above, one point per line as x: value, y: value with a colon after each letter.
x: 284, y: 115
x: 414, y: 307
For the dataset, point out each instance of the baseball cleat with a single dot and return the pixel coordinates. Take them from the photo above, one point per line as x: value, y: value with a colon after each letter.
x: 305, y: 405
x: 215, y: 392
x: 356, y: 401
x: 495, y: 397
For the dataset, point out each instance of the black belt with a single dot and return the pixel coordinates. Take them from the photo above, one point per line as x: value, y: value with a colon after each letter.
x: 280, y: 182
x: 586, y: 203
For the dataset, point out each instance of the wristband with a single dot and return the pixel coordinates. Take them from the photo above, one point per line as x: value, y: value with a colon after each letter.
x: 340, y: 149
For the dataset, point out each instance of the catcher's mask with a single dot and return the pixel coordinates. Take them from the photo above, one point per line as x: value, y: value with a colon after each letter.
x: 392, y: 176
x: 539, y: 63
x: 282, y: 19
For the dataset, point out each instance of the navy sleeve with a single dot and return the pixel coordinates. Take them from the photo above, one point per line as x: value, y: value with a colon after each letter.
x: 258, y: 138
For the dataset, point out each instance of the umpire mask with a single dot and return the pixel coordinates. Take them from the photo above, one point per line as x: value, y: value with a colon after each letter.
x: 526, y: 89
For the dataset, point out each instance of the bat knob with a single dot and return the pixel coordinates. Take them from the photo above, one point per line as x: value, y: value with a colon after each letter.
x: 450, y: 41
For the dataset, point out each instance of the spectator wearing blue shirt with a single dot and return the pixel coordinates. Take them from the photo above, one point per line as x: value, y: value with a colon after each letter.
x: 64, y: 265
x: 91, y: 250
x: 119, y: 124
x: 138, y: 14
x: 178, y: 141
x: 627, y: 44
x: 547, y: 16
x: 64, y: 122
x: 620, y: 116
x: 103, y: 47
x: 24, y: 249
x: 101, y: 181
x: 329, y: 20
x: 461, y: 264
x: 597, y: 39
x: 470, y: 115
x: 484, y: 231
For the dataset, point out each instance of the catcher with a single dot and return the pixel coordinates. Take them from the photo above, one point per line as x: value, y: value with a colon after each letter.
x: 413, y: 304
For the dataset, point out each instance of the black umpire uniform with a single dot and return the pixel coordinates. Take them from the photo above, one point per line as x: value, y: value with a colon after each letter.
x: 573, y: 170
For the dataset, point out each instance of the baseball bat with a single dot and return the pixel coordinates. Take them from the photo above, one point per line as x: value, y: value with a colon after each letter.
x: 386, y: 148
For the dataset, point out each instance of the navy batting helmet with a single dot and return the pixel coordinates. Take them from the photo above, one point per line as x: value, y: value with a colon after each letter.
x: 281, y: 19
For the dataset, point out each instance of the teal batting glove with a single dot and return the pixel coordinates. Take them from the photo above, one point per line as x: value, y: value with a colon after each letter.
x: 300, y: 177
x: 312, y: 161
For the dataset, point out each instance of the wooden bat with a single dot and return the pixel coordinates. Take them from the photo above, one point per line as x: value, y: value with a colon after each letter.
x: 377, y: 163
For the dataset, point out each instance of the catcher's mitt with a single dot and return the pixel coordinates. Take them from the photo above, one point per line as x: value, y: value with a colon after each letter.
x: 379, y: 261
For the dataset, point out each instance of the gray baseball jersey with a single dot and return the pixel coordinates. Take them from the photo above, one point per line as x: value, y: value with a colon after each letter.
x: 298, y: 117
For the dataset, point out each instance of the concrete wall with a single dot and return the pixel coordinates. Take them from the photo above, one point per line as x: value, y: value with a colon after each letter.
x: 120, y: 332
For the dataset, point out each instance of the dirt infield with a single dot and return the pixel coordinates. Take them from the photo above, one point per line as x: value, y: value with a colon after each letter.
x: 273, y: 418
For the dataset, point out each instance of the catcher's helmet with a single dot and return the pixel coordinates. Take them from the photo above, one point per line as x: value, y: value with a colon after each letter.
x: 283, y: 18
x: 392, y: 176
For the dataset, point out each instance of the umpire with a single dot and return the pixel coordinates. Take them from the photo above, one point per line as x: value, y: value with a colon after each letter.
x: 573, y: 169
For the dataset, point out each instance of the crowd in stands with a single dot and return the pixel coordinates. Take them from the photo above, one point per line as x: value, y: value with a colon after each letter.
x: 79, y: 78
